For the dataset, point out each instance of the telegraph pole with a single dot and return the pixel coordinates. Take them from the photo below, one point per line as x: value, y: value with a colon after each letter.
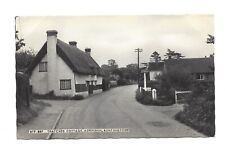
x: 138, y: 51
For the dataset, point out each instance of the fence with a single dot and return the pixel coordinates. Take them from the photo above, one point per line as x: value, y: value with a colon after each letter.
x: 181, y: 99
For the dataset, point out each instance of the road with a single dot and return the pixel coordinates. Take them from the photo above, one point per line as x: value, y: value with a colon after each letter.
x: 116, y: 108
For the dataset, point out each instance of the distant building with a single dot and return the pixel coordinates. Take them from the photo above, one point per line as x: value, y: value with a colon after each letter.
x: 64, y: 70
x: 201, y: 69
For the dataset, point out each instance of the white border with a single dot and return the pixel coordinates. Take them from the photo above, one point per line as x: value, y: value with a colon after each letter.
x: 10, y: 9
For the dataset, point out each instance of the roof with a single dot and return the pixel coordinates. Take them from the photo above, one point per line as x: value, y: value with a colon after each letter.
x: 156, y: 66
x: 77, y: 60
x: 193, y: 65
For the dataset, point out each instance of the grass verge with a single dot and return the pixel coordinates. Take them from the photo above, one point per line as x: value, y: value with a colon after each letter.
x: 25, y: 114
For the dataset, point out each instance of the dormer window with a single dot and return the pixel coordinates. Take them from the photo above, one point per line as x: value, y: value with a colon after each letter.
x: 43, y: 67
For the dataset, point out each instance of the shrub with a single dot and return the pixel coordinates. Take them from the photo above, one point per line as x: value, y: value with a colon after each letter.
x: 51, y: 95
x: 174, y: 80
x: 145, y: 98
x: 199, y: 112
x: 123, y: 82
x: 77, y: 97
x: 23, y: 59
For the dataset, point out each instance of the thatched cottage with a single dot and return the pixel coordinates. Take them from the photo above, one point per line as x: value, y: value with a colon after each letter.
x: 64, y: 70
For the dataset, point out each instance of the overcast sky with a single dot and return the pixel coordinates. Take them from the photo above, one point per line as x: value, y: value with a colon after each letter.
x: 116, y: 37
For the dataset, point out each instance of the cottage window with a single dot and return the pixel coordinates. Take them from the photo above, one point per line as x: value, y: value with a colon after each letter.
x: 200, y: 77
x: 43, y: 67
x: 65, y: 84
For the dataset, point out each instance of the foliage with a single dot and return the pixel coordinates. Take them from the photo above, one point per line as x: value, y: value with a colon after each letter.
x: 23, y: 59
x: 124, y: 75
x: 174, y: 80
x: 173, y: 55
x: 105, y: 83
x: 145, y: 98
x: 51, y: 95
x: 19, y: 41
x: 112, y: 63
x: 156, y: 56
x: 77, y: 97
x: 199, y: 112
x: 210, y: 39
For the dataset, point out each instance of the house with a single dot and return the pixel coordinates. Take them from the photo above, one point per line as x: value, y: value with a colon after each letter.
x: 155, y: 69
x: 63, y: 69
x: 201, y: 69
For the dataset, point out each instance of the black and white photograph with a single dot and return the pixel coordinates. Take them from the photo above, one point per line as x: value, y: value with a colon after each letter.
x: 117, y: 76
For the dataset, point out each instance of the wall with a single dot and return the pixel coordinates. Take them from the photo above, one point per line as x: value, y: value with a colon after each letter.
x: 39, y: 80
x: 81, y: 79
x: 154, y: 74
x: 63, y: 72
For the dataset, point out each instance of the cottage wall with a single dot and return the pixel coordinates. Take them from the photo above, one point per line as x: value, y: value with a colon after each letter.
x: 64, y: 73
x: 99, y: 82
x: 39, y: 80
x: 81, y: 84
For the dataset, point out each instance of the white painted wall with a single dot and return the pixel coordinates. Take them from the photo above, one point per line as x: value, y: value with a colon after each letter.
x: 63, y: 72
x: 81, y: 79
x: 154, y: 74
x: 39, y: 80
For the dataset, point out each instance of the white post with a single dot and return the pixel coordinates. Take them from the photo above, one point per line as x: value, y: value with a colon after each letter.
x: 145, y: 81
x: 154, y: 94
x: 175, y: 97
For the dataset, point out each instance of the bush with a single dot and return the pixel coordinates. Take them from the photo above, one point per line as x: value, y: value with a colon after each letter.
x: 199, y: 112
x: 77, y: 97
x: 23, y: 59
x: 51, y: 95
x: 174, y: 80
x: 146, y: 99
x: 123, y: 82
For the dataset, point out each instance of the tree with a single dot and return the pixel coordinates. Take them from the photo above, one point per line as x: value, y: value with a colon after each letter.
x: 210, y: 39
x: 174, y: 79
x: 19, y: 41
x: 23, y: 59
x: 112, y: 63
x: 173, y: 55
x: 155, y: 55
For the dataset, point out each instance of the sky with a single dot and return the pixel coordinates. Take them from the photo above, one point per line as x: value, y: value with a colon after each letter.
x: 116, y: 37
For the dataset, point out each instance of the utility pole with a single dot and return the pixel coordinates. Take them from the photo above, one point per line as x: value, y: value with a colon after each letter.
x: 138, y: 51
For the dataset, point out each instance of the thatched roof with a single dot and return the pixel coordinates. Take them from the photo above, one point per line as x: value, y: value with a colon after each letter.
x: 79, y: 61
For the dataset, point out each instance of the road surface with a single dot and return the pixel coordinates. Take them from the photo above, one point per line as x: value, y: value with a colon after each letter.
x: 116, y: 108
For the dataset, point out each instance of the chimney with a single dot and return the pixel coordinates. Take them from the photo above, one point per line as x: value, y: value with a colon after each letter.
x: 88, y: 51
x: 51, y: 60
x: 73, y: 43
